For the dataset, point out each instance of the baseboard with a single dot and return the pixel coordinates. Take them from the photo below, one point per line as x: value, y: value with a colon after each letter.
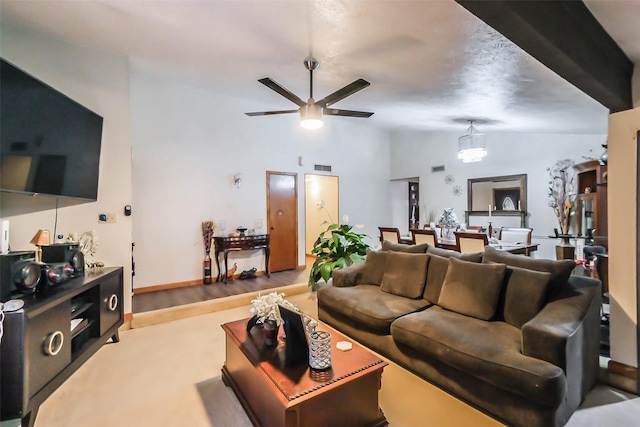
x: 166, y: 286
x: 622, y: 369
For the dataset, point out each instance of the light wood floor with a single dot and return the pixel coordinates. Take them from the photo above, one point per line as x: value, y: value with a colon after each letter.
x: 150, y: 301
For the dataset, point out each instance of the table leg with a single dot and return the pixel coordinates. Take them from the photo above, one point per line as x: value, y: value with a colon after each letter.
x: 267, y: 252
x: 226, y: 270
x: 218, y: 266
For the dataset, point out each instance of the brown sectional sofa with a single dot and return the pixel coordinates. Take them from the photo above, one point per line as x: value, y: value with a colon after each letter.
x: 516, y: 337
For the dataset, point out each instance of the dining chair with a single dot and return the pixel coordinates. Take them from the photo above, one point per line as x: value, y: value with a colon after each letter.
x: 515, y: 235
x: 391, y: 234
x: 428, y: 236
x: 474, y: 228
x: 470, y: 242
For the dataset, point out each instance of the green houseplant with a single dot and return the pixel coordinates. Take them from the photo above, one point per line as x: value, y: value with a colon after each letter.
x: 335, y: 248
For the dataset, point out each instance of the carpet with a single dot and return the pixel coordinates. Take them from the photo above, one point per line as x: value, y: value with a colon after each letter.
x: 222, y: 406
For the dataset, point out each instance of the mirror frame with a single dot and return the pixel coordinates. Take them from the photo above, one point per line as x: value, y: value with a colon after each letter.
x: 522, y: 213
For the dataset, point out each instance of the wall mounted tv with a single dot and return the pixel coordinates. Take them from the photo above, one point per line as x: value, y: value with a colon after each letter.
x: 49, y: 144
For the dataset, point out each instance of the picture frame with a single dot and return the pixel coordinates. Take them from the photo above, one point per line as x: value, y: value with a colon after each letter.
x: 506, y: 199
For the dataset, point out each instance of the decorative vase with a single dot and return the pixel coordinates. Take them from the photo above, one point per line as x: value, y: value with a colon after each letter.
x: 271, y: 333
x: 565, y: 250
x: 448, y: 234
x: 206, y: 270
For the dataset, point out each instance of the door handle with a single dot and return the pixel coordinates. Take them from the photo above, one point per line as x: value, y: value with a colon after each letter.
x: 273, y: 227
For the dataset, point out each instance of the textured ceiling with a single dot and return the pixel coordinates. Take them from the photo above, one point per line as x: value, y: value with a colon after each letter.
x: 432, y: 65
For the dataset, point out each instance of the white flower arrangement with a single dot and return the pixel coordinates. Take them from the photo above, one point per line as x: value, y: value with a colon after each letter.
x: 265, y: 307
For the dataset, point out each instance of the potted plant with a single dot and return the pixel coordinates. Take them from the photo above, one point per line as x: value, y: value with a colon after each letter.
x: 264, y: 309
x: 337, y: 247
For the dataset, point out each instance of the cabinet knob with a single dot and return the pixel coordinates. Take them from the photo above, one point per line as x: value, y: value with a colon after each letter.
x: 53, y: 343
x: 113, y: 302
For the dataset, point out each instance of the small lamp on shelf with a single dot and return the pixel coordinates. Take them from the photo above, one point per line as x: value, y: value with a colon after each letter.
x: 40, y: 239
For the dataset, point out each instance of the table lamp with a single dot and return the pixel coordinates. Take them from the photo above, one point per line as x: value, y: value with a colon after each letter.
x: 40, y: 239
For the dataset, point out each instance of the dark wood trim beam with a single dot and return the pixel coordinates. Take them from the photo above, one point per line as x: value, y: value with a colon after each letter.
x: 565, y: 37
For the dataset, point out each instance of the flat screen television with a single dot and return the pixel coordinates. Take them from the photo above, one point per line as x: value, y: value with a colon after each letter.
x: 49, y: 143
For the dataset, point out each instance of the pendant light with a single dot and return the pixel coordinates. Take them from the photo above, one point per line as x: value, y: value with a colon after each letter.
x: 471, y: 145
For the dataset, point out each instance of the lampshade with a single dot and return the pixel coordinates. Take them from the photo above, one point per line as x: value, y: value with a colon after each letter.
x: 41, y: 238
x: 471, y: 145
x: 311, y: 116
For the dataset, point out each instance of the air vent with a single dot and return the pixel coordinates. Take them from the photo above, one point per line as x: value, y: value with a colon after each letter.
x: 437, y: 168
x: 322, y: 168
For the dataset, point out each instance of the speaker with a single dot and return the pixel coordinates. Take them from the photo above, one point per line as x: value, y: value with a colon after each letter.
x: 54, y: 274
x: 19, y: 274
x: 65, y: 252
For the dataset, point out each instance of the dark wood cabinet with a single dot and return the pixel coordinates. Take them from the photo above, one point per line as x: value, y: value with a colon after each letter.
x: 591, y: 201
x: 53, y: 335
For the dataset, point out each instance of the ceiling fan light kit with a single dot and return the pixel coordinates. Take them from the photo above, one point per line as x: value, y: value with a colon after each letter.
x: 312, y: 112
x: 311, y: 116
x: 471, y: 145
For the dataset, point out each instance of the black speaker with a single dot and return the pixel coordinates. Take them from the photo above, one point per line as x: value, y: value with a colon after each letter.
x: 65, y: 252
x: 19, y: 274
x: 54, y: 274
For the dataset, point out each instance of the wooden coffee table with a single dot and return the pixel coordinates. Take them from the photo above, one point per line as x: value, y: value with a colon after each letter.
x: 275, y: 394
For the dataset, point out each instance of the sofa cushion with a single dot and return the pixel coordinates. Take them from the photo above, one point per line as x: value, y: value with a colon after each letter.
x: 405, y: 274
x: 560, y: 270
x: 435, y: 277
x: 472, y: 288
x: 489, y: 351
x: 446, y: 253
x: 374, y: 267
x: 401, y: 247
x: 368, y: 305
x: 524, y: 294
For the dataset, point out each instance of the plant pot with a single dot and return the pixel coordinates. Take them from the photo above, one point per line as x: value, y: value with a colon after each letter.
x: 271, y: 333
x: 206, y: 270
x: 565, y: 250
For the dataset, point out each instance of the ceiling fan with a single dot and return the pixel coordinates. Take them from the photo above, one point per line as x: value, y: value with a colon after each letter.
x: 311, y: 112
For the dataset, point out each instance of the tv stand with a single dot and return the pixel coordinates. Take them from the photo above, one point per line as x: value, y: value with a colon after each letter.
x: 53, y: 335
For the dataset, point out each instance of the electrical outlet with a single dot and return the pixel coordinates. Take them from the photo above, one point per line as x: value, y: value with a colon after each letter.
x: 109, y: 218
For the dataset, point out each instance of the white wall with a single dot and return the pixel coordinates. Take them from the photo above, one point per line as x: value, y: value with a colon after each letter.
x: 414, y: 153
x: 101, y: 83
x: 623, y: 247
x: 188, y: 141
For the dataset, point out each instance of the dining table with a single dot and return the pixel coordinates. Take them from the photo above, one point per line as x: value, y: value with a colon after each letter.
x: 514, y: 248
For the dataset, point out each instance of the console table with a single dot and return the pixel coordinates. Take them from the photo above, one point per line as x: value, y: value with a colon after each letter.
x: 240, y: 243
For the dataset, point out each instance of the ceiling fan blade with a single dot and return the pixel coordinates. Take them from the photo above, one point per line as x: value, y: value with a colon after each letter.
x: 348, y: 113
x: 349, y: 89
x: 282, y: 91
x: 269, y: 113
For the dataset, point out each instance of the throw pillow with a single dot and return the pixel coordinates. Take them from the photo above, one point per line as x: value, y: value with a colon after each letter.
x: 446, y: 253
x: 401, y: 247
x: 374, y: 268
x: 405, y: 274
x: 472, y: 289
x: 524, y: 293
x: 560, y: 270
x: 435, y: 277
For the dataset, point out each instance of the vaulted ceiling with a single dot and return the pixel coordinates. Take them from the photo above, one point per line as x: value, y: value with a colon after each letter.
x: 432, y: 64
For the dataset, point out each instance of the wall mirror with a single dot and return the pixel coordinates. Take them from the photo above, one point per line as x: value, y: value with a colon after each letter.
x: 504, y: 195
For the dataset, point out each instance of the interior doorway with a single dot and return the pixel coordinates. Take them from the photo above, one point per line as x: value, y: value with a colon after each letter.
x: 282, y: 220
x: 321, y: 206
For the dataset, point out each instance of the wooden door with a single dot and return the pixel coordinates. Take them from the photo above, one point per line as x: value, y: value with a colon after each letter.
x: 282, y: 220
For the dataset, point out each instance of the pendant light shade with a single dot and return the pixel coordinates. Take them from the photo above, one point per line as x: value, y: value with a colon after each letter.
x: 311, y: 116
x: 471, y: 145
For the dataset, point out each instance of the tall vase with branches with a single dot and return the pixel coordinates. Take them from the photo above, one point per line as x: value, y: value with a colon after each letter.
x: 207, y: 238
x: 562, y: 195
x: 562, y: 192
